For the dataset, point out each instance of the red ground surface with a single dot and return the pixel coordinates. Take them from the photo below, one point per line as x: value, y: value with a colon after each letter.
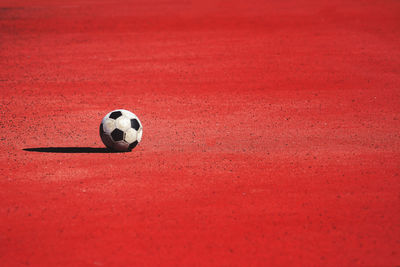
x: 271, y: 133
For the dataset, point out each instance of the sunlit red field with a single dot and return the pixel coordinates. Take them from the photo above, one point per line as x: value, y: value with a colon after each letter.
x: 271, y: 133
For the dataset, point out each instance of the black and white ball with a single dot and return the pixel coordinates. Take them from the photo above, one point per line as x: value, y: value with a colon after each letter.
x: 121, y: 130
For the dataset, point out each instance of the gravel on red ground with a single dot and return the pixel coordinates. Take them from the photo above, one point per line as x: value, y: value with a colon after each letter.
x: 271, y: 133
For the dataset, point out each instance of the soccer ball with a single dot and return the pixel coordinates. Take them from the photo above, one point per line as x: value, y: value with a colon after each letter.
x: 121, y: 130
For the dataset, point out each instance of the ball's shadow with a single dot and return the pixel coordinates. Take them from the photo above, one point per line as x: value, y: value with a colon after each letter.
x: 71, y: 150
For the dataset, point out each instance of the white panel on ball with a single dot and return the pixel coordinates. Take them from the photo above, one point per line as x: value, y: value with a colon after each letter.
x: 109, y: 125
x: 123, y: 123
x: 130, y: 135
x: 139, y: 134
x: 128, y: 114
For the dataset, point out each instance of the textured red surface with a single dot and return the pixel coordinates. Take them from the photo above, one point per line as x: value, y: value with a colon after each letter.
x: 271, y: 133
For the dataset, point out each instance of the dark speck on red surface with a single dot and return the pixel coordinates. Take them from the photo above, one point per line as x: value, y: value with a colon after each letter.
x: 270, y: 133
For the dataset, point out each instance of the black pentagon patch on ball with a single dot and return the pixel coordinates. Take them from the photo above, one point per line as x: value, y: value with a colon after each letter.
x: 101, y: 128
x: 117, y: 135
x: 116, y: 114
x: 133, y: 145
x: 135, y: 124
